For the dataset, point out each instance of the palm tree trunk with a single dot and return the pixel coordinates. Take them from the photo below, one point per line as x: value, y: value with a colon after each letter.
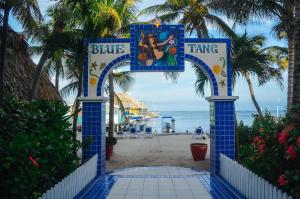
x: 111, y: 105
x: 237, y: 139
x: 291, y: 51
x: 37, y: 75
x: 76, y: 107
x: 296, y: 93
x: 252, y: 94
x: 57, y: 73
x: 3, y: 51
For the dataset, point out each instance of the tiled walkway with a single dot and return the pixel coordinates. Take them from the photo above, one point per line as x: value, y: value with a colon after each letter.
x: 157, y: 183
x: 160, y: 183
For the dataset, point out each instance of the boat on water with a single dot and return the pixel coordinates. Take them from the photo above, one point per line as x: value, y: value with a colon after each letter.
x: 150, y: 115
x: 167, y: 124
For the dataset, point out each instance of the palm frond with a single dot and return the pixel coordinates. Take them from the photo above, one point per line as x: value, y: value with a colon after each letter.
x: 201, y: 81
x: 27, y: 13
x: 69, y: 89
x: 222, y: 27
x: 123, y: 79
x: 173, y: 76
x: 35, y: 50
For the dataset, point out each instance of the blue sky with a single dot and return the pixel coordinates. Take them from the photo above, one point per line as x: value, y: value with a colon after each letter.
x: 161, y: 94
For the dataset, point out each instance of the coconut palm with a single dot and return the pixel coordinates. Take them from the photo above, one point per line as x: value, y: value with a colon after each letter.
x: 195, y: 15
x: 112, y: 19
x: 248, y: 59
x: 94, y: 18
x: 46, y: 35
x: 280, y: 11
x: 50, y: 51
x: 296, y: 93
x: 27, y: 13
x: 122, y: 79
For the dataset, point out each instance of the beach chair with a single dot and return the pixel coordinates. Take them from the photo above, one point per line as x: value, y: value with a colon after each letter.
x: 198, y: 133
x: 120, y: 134
x: 148, y: 132
x: 133, y: 133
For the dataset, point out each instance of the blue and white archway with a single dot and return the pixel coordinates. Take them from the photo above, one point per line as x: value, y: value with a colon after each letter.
x: 158, y: 49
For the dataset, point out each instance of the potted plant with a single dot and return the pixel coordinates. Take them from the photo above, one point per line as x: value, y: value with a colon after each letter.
x: 110, y: 142
x: 198, y: 151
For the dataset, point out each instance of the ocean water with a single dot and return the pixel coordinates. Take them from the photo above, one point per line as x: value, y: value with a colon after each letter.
x: 189, y: 120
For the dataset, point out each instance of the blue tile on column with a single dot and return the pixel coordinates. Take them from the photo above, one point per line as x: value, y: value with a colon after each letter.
x: 222, y: 132
x: 93, y: 132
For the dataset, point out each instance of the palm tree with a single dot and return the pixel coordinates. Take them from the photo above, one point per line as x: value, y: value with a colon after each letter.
x: 27, y: 12
x: 92, y: 18
x: 195, y: 15
x: 280, y: 11
x: 123, y: 80
x: 248, y: 59
x: 50, y: 51
x: 72, y: 42
x: 48, y: 48
x: 296, y: 94
x: 112, y: 18
x: 55, y: 65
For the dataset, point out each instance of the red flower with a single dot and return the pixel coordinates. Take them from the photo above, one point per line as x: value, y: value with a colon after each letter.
x: 256, y: 139
x: 282, y: 181
x: 261, y: 148
x: 34, y: 161
x: 298, y: 142
x: 291, y: 151
x: 282, y: 138
x: 261, y: 130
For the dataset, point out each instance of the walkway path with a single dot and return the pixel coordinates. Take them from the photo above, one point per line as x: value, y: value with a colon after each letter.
x: 162, y: 182
x: 158, y: 183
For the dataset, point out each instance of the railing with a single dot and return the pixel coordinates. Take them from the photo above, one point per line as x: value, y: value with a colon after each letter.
x: 249, y: 184
x: 71, y: 185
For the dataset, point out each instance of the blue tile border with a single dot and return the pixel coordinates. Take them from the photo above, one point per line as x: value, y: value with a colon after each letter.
x: 106, y: 70
x: 219, y: 188
x: 99, y: 188
x: 228, y: 51
x: 207, y: 70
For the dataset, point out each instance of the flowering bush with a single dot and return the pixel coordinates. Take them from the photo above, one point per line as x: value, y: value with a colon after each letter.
x: 274, y: 150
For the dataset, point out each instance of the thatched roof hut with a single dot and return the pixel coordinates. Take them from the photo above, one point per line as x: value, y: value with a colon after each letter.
x: 131, y: 105
x: 19, y: 71
x: 129, y: 102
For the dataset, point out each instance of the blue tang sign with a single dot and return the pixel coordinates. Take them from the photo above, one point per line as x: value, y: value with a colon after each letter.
x: 157, y: 48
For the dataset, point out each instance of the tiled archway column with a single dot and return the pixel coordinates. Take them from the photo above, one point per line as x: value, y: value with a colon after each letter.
x: 222, y: 131
x: 93, y: 129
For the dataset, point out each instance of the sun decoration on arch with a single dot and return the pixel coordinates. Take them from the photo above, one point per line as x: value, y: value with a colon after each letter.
x: 93, y: 70
x: 220, y: 71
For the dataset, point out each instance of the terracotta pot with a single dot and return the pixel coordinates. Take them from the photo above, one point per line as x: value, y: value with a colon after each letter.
x: 109, y: 151
x: 198, y: 151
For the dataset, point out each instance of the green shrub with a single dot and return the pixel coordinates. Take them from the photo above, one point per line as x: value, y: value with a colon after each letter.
x: 36, y: 147
x: 245, y: 133
x: 273, y: 152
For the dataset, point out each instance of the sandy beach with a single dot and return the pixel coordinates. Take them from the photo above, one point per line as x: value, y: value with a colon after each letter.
x: 163, y: 150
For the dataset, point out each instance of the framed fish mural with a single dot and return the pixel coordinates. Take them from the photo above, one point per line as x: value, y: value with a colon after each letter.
x: 157, y: 48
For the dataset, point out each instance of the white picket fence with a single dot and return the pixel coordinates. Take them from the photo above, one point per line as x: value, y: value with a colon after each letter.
x: 249, y: 184
x: 71, y: 185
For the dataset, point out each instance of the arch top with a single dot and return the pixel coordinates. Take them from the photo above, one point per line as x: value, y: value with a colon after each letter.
x: 157, y: 49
